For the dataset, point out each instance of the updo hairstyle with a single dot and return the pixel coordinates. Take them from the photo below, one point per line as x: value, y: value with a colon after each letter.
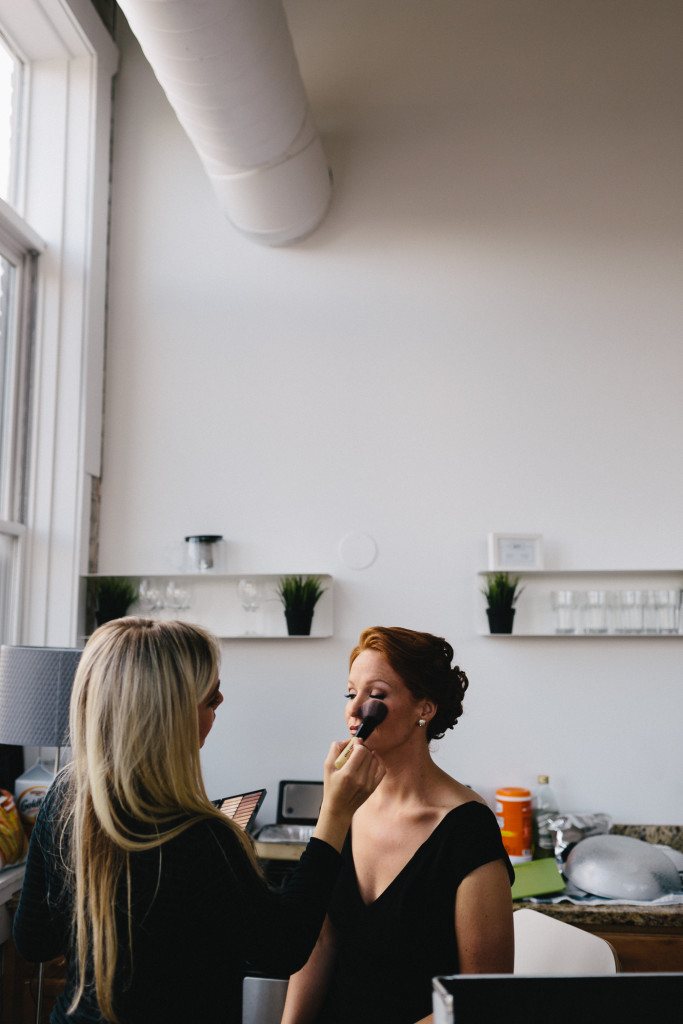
x: 423, y: 662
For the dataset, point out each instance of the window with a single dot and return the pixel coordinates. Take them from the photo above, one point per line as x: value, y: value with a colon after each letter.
x: 17, y: 293
x: 18, y: 253
x: 11, y: 77
x: 56, y: 65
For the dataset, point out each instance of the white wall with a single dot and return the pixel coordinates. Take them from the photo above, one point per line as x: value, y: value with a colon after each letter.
x: 483, y: 335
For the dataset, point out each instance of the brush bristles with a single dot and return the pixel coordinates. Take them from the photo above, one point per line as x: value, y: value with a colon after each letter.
x: 372, y: 712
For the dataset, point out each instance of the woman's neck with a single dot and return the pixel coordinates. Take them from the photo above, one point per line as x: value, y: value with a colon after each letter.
x: 408, y: 779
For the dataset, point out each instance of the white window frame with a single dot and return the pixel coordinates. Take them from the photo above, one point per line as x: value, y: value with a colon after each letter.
x: 20, y: 246
x: 63, y: 193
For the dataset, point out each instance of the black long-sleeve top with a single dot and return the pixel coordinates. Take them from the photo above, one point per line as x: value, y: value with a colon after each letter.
x: 201, y: 916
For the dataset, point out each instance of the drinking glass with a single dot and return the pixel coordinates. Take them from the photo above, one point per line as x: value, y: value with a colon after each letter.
x: 150, y: 596
x: 177, y: 597
x: 668, y: 605
x: 565, y: 605
x: 250, y: 595
x: 630, y: 608
x: 650, y: 611
x: 595, y: 611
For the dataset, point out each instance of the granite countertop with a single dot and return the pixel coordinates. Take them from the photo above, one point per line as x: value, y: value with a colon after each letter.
x: 665, y: 835
x: 608, y: 917
x: 620, y: 915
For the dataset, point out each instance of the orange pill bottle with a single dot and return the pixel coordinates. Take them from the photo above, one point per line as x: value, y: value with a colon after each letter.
x: 513, y: 811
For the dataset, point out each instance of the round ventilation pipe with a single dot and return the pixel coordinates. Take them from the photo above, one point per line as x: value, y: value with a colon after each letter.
x: 230, y: 73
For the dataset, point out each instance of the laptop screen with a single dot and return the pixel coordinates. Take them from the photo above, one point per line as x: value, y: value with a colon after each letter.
x: 628, y: 998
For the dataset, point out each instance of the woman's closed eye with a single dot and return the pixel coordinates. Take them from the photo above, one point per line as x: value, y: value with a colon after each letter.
x: 373, y: 696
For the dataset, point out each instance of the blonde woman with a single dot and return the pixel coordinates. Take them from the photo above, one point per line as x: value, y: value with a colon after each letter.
x: 425, y: 888
x: 154, y: 895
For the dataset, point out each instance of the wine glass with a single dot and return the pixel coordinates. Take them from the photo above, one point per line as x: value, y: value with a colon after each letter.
x: 177, y: 597
x: 150, y: 596
x: 250, y: 595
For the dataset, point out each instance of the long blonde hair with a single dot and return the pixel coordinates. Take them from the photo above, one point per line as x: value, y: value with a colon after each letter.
x: 136, y: 777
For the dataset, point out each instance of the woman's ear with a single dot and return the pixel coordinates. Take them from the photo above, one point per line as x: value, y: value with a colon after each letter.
x: 427, y: 710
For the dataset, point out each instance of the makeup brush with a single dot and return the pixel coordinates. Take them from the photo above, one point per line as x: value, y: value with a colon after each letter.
x: 372, y: 713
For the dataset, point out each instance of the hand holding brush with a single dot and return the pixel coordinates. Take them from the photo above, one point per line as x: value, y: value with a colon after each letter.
x: 345, y: 791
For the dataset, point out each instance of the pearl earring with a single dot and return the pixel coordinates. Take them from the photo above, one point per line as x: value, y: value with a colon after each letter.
x: 421, y: 722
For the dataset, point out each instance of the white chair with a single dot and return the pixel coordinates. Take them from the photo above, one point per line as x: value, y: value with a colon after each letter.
x: 544, y: 945
x: 263, y: 1000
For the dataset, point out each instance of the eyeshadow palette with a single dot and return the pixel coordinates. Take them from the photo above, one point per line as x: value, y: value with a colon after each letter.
x: 242, y: 808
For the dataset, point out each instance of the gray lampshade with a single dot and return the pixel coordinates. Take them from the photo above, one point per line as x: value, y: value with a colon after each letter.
x: 35, y: 690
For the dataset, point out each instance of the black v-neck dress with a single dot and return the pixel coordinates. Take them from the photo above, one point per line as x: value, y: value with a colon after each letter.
x: 392, y: 948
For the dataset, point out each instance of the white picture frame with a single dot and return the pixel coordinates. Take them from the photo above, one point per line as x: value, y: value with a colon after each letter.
x: 522, y: 551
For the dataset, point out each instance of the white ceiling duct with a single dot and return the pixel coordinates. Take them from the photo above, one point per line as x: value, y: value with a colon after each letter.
x: 230, y: 73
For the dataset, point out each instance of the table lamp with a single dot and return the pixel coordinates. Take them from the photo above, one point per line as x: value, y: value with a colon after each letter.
x: 35, y: 691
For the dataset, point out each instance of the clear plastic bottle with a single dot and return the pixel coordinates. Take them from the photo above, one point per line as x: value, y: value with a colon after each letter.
x: 545, y: 808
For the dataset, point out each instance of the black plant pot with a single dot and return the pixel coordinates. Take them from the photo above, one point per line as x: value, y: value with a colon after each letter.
x: 108, y: 610
x: 299, y: 622
x: 500, y: 619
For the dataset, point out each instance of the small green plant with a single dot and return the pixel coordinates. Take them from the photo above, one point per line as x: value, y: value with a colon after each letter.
x: 501, y: 592
x: 299, y: 593
x: 113, y: 597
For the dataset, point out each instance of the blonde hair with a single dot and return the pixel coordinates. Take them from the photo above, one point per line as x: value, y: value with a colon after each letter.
x: 135, y: 772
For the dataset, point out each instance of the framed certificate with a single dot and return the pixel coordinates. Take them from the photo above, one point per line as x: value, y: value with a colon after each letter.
x: 515, y: 551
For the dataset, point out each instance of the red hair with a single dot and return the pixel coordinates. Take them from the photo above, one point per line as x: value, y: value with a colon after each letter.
x: 424, y: 664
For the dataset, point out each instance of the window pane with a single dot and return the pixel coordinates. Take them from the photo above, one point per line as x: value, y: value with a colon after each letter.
x: 10, y: 78
x: 14, y: 357
x: 8, y: 569
x: 7, y: 397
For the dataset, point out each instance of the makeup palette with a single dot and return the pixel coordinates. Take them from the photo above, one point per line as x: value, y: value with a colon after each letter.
x: 242, y: 808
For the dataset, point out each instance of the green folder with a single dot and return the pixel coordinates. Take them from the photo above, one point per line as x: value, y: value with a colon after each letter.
x: 537, y: 878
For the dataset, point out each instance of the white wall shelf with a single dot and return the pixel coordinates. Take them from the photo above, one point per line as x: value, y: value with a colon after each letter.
x: 535, y: 617
x: 214, y: 603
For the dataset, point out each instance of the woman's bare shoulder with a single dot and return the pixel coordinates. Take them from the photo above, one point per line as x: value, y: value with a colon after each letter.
x: 453, y: 793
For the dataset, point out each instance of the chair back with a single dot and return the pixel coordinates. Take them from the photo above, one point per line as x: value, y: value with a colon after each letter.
x: 263, y: 999
x: 544, y: 945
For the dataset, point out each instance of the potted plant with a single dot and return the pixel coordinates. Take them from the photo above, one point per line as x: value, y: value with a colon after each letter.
x: 299, y: 595
x: 501, y: 593
x: 113, y: 597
